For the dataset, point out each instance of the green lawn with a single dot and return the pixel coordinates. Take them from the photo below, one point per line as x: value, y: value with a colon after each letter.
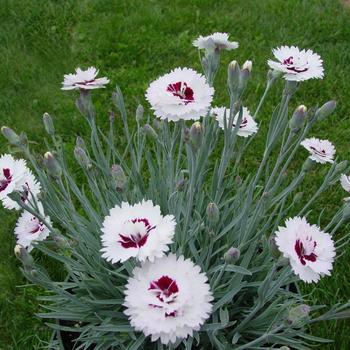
x: 132, y: 42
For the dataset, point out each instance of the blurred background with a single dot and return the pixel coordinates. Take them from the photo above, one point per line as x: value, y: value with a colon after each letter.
x: 132, y: 43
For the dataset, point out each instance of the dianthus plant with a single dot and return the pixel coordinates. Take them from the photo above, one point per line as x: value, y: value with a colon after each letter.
x: 164, y: 239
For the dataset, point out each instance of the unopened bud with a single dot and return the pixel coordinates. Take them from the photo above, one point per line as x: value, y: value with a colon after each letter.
x: 341, y: 167
x: 238, y: 180
x: 157, y: 124
x: 80, y: 142
x: 213, y: 213
x: 149, y: 131
x: 272, y: 75
x: 247, y: 65
x: 48, y: 124
x: 118, y: 176
x: 23, y: 255
x: 233, y: 76
x: 232, y: 255
x: 244, y: 75
x: 298, y: 118
x: 82, y: 158
x: 139, y: 113
x: 196, y: 134
x: 298, y: 197
x: 52, y: 165
x: 186, y: 134
x: 273, y: 248
x: 181, y: 183
x: 308, y: 165
x: 346, y: 211
x: 298, y: 313
x: 11, y: 136
x: 326, y: 110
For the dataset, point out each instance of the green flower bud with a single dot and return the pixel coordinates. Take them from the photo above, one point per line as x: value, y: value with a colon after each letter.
x: 298, y: 314
x: 308, y: 165
x: 233, y: 76
x: 341, y: 167
x: 48, y: 124
x: 232, y: 255
x: 272, y: 75
x: 273, y: 248
x: 11, y: 136
x: 80, y: 142
x: 181, y: 183
x: 326, y: 110
x: 149, y: 131
x: 186, y: 135
x: 157, y: 124
x: 346, y: 211
x: 238, y: 181
x: 23, y: 255
x: 245, y: 75
x: 82, y: 158
x: 120, y: 181
x: 213, y: 214
x: 196, y: 134
x: 298, y: 197
x: 52, y: 165
x: 298, y: 119
x: 139, y: 113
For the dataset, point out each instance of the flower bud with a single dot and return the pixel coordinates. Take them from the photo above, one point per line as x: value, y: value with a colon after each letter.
x: 341, y: 167
x: 181, y: 183
x: 118, y: 176
x: 186, y: 134
x: 139, y: 113
x: 23, y: 255
x: 298, y: 197
x: 233, y: 76
x: 48, y: 124
x: 297, y: 314
x: 82, y: 158
x: 196, y: 134
x: 52, y: 165
x: 298, y: 118
x: 238, y: 181
x: 244, y: 75
x: 11, y: 136
x: 232, y: 255
x: 80, y: 142
x: 308, y: 165
x: 213, y: 214
x: 346, y: 211
x: 272, y: 75
x: 149, y: 131
x: 157, y: 124
x: 273, y: 248
x: 325, y: 110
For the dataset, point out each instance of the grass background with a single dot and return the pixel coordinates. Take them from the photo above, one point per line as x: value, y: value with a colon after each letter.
x: 132, y: 42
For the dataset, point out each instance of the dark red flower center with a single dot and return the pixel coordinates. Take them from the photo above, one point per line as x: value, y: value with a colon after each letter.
x: 290, y: 63
x: 306, y: 252
x: 6, y: 180
x: 181, y: 90
x: 35, y: 225
x: 138, y: 238
x: 165, y: 289
x: 244, y: 123
x: 84, y: 82
x: 321, y: 153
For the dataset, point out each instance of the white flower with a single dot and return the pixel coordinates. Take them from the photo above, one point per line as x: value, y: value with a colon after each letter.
x: 321, y: 151
x: 297, y: 64
x: 310, y: 251
x: 84, y: 79
x: 29, y: 228
x: 345, y: 182
x: 181, y: 94
x: 15, y: 176
x: 139, y: 231
x: 248, y: 124
x: 28, y: 186
x: 215, y: 41
x: 168, y: 299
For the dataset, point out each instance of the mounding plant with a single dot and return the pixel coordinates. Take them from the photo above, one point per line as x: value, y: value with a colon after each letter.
x: 164, y: 239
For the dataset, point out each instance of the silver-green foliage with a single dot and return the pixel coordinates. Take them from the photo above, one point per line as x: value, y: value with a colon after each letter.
x: 184, y: 169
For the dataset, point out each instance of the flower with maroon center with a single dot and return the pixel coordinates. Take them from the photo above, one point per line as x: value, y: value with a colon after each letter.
x: 30, y: 229
x: 138, y: 231
x: 181, y: 94
x: 247, y: 127
x: 296, y: 64
x: 168, y: 298
x: 321, y: 151
x: 310, y: 251
x: 84, y: 80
